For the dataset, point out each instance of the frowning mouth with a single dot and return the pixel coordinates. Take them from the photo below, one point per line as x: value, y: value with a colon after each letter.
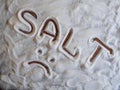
x: 47, y: 69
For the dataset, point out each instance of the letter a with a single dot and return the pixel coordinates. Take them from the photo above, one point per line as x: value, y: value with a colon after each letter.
x: 54, y: 35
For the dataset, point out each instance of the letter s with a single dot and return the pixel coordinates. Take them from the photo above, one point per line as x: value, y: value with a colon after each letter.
x: 27, y: 21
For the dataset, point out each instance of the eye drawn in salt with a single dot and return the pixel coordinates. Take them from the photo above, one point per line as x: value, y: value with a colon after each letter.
x: 40, y: 51
x: 27, y: 21
x: 52, y: 59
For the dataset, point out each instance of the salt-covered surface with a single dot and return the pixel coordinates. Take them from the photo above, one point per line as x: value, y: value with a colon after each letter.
x: 57, y: 70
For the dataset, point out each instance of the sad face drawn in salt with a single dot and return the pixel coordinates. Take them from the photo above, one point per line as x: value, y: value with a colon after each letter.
x: 39, y: 48
x: 53, y: 33
x: 46, y: 46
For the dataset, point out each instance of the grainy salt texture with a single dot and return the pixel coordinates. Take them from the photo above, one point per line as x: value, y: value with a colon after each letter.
x: 88, y: 18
